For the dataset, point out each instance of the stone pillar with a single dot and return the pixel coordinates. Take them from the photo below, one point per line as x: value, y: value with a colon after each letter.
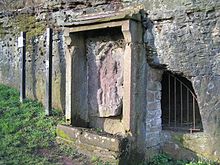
x: 133, y: 54
x: 128, y: 60
x: 79, y: 81
x: 69, y: 52
x: 153, y: 111
x: 76, y: 80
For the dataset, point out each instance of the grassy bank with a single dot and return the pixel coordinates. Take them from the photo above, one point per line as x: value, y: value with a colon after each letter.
x: 26, y: 135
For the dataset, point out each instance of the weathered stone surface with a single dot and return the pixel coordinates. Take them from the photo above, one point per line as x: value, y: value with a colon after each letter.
x: 68, y: 133
x: 154, y: 106
x: 106, y: 146
x: 190, y: 146
x: 105, y: 76
x: 178, y: 152
x: 105, y: 142
x: 35, y: 60
x: 110, y: 125
x: 153, y: 109
x: 202, y: 139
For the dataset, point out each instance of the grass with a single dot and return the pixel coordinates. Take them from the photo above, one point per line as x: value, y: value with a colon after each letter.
x: 27, y: 136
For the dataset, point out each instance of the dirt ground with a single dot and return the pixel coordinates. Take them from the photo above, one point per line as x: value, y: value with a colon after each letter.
x: 64, y: 159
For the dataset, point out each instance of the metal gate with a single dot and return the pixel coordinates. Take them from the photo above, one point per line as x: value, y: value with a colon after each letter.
x: 180, y: 111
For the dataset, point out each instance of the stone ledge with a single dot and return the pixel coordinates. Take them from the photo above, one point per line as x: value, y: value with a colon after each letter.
x: 190, y: 146
x: 178, y: 152
x: 108, y: 147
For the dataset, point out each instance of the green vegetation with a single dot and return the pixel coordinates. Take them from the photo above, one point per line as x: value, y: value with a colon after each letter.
x: 98, y: 161
x: 27, y: 136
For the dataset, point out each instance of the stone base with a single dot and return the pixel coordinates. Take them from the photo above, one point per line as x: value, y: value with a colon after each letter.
x: 190, y: 146
x: 178, y: 152
x: 110, y: 148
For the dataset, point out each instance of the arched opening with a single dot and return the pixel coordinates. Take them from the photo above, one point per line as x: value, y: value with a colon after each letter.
x: 180, y: 111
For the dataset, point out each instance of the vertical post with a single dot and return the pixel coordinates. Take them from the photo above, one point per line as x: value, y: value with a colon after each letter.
x: 187, y: 107
x: 22, y: 46
x: 175, y: 102
x: 181, y: 103
x: 194, y: 114
x: 69, y: 49
x: 169, y: 99
x: 49, y: 72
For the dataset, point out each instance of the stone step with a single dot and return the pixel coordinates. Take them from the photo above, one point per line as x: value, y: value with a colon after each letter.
x: 108, y: 147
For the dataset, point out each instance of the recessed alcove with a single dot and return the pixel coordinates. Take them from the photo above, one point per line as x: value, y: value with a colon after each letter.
x: 180, y: 110
x: 97, y: 83
x: 99, y: 75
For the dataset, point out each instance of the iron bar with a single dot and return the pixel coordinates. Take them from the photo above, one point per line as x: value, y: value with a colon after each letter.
x: 175, y: 101
x: 181, y: 103
x: 169, y: 98
x: 48, y: 98
x: 194, y: 114
x: 187, y: 106
x: 22, y: 46
x: 182, y: 110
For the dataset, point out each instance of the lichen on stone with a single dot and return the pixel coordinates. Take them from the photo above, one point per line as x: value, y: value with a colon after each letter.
x: 2, y: 31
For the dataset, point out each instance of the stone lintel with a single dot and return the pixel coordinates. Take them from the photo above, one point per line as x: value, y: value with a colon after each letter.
x: 131, y: 13
x: 94, y: 26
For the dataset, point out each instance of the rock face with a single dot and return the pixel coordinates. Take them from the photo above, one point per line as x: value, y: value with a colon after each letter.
x: 187, y: 41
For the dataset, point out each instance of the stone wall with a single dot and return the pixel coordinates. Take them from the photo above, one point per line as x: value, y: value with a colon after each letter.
x: 186, y: 38
x: 153, y: 114
x: 11, y: 25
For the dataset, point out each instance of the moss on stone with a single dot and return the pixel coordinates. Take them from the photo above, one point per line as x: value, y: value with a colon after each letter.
x: 198, y: 144
x: 27, y: 23
x: 178, y: 138
x: 62, y: 134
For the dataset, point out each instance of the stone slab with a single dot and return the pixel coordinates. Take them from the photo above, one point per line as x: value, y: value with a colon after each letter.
x: 106, y: 146
x: 103, y: 141
x: 127, y: 13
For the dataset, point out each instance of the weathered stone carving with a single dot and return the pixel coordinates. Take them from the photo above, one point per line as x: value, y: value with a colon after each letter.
x: 105, y: 76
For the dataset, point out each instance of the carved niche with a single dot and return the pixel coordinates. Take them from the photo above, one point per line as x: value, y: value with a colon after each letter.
x: 105, y: 55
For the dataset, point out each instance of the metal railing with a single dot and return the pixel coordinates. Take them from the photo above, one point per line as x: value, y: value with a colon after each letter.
x: 183, y: 111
